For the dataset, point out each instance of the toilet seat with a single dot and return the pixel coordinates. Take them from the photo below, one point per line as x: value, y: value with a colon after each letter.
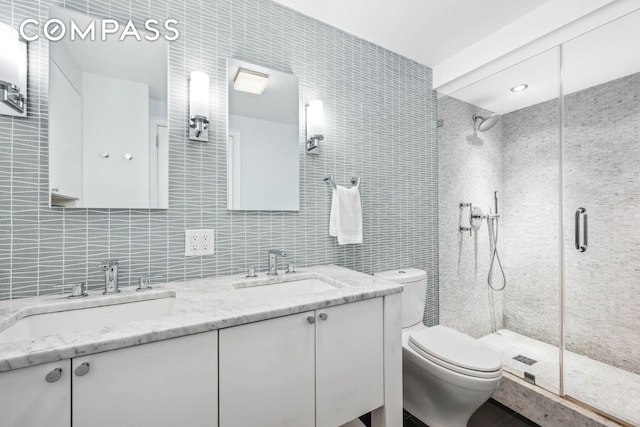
x: 455, y: 351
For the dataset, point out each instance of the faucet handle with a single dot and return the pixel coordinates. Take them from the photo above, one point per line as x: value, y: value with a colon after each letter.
x: 78, y: 290
x: 107, y: 264
x: 251, y: 272
x: 290, y: 268
x: 144, y: 284
x: 279, y: 252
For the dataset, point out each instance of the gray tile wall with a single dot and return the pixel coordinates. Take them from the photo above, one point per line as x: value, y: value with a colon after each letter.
x: 470, y: 170
x: 530, y: 221
x: 380, y: 125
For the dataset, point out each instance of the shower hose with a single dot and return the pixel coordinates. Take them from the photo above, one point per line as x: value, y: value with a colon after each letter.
x: 492, y: 225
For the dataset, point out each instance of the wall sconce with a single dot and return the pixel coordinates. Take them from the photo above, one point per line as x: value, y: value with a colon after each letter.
x: 13, y: 72
x: 315, y: 126
x: 199, y: 106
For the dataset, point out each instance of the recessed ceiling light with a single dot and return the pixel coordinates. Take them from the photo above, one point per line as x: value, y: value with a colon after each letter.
x: 519, y: 88
x: 250, y: 81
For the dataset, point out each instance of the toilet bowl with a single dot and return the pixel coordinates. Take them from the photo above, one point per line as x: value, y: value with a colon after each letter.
x: 447, y: 375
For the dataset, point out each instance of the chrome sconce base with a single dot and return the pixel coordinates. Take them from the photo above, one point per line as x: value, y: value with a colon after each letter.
x: 198, y: 129
x: 313, y: 144
x: 11, y: 96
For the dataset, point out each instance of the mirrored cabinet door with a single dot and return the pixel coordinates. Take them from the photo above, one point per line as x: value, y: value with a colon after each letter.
x: 262, y: 149
x: 108, y: 144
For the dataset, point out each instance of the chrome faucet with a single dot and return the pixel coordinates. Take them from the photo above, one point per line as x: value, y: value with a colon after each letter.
x: 273, y: 261
x: 110, y: 268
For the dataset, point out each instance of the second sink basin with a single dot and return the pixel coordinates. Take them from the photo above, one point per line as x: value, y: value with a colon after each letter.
x: 274, y: 292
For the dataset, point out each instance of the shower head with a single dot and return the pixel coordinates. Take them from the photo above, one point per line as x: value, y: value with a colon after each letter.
x: 483, y: 124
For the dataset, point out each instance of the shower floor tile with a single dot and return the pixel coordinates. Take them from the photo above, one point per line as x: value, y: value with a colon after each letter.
x: 602, y: 386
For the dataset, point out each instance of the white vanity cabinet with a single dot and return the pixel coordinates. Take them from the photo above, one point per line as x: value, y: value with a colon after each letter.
x: 349, y: 361
x: 162, y: 384
x: 36, y: 396
x: 267, y: 373
x: 321, y: 368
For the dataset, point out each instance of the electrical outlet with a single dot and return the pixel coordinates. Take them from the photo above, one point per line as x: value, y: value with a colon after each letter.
x: 198, y: 242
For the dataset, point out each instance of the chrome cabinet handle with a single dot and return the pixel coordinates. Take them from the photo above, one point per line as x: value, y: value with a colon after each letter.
x: 54, y: 375
x: 311, y: 320
x: 83, y: 369
x: 323, y: 316
x: 581, y: 246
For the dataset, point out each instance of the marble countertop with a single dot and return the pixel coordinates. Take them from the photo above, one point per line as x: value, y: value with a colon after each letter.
x: 200, y: 305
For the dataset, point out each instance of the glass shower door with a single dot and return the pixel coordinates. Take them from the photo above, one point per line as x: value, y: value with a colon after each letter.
x: 510, y: 301
x: 601, y: 219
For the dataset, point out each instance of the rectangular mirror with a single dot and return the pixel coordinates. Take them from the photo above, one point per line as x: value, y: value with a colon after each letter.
x: 108, y: 136
x: 263, y: 163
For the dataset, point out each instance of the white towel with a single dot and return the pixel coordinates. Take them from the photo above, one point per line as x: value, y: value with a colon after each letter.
x: 345, y: 222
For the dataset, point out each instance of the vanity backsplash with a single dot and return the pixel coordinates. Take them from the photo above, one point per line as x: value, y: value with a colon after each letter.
x: 379, y: 125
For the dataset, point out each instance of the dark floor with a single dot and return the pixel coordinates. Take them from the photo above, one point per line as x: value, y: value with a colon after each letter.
x: 491, y: 414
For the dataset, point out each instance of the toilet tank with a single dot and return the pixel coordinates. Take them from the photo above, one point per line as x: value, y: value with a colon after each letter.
x: 414, y: 294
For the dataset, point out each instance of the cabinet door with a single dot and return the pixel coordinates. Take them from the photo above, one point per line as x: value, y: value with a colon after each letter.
x: 163, y: 384
x: 267, y: 373
x: 349, y: 361
x: 36, y: 396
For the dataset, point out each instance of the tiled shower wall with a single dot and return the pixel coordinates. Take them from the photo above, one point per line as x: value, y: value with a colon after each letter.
x: 470, y: 165
x: 530, y: 221
x: 380, y: 126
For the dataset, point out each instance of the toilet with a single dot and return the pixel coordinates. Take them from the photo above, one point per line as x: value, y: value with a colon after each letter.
x: 446, y: 374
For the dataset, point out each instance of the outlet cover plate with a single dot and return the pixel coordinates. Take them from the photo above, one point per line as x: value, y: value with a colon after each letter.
x: 198, y: 242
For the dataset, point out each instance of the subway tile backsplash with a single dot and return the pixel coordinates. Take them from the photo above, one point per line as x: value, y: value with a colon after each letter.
x: 380, y: 125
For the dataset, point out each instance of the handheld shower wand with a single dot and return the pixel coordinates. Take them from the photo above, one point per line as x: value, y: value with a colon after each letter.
x: 495, y: 202
x: 492, y: 225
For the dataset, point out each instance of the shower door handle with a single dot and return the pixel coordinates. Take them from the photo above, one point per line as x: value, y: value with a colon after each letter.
x: 581, y: 244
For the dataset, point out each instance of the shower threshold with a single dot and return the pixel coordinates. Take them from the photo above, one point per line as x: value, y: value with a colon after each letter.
x: 596, y: 384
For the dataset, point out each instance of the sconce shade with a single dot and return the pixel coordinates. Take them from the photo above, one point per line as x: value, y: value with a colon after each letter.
x: 315, y: 127
x: 315, y: 118
x: 199, y: 95
x: 9, y: 54
x: 198, y: 106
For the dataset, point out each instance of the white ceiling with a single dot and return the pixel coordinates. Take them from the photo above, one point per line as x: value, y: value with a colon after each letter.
x: 604, y: 54
x: 427, y: 31
x: 454, y: 36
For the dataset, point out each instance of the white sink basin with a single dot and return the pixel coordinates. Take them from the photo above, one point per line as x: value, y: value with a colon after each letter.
x: 274, y: 292
x: 70, y: 319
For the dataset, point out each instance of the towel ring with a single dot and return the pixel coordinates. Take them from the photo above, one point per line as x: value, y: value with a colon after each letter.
x: 355, y: 181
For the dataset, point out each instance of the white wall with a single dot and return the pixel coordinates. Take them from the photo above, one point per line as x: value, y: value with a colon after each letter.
x: 116, y: 121
x: 269, y: 149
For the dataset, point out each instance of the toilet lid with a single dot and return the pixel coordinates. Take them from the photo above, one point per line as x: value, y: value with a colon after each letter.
x: 457, y: 350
